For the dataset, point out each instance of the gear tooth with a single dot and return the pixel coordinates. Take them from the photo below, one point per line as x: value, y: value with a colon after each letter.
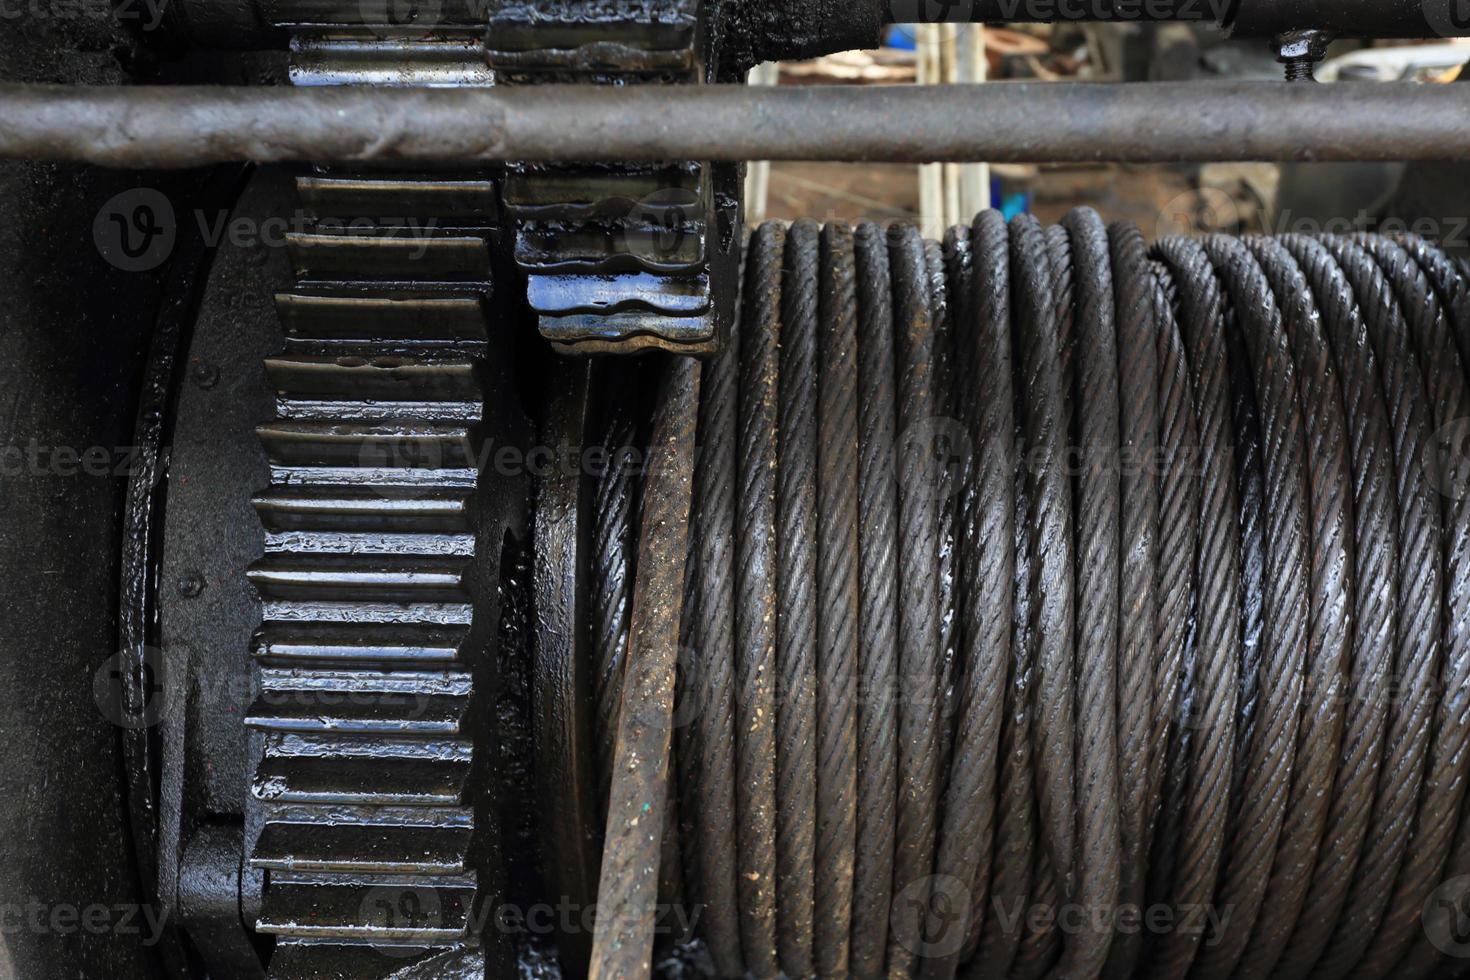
x: 392, y: 253
x: 364, y: 322
x: 344, y: 442
x: 411, y: 644
x: 587, y: 191
x: 369, y: 584
x: 376, y: 846
x: 360, y: 702
x: 609, y: 247
x: 297, y: 960
x: 329, y: 771
x: 370, y: 631
x: 448, y: 201
x: 364, y: 908
x: 381, y: 388
x: 390, y: 377
x: 581, y: 40
x: 368, y: 578
x: 401, y: 510
x: 387, y: 54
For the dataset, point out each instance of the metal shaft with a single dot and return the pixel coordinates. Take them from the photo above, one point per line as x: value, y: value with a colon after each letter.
x: 163, y: 127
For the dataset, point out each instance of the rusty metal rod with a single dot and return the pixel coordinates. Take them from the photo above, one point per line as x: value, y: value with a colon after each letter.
x: 163, y: 127
x: 627, y: 892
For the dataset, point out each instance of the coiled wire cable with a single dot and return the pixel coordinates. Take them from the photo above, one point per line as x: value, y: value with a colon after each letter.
x: 1061, y: 606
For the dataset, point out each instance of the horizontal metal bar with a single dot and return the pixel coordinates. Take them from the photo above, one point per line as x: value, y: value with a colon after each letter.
x: 161, y: 127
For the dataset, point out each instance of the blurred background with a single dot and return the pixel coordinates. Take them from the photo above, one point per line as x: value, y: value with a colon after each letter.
x: 1433, y: 200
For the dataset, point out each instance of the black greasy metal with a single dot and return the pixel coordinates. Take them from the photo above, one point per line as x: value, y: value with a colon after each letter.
x: 1303, y: 567
x: 781, y: 30
x: 1436, y: 822
x: 619, y: 257
x: 837, y: 614
x: 1179, y: 512
x: 613, y: 539
x: 1331, y: 584
x: 627, y: 890
x: 1453, y: 292
x: 1351, y: 18
x: 708, y: 684
x: 210, y: 533
x: 982, y: 343
x: 878, y: 545
x: 565, y: 664
x: 796, y: 598
x: 936, y: 261
x: 74, y: 340
x: 1095, y: 433
x: 755, y: 600
x: 379, y: 587
x: 1049, y: 529
x: 753, y: 31
x: 1179, y: 517
x: 1416, y: 639
x: 985, y: 589
x: 1272, y: 747
x: 379, y: 599
x: 991, y: 942
x: 1251, y: 487
x: 920, y: 486
x: 1138, y: 426
x: 761, y: 30
x: 1041, y: 942
x: 1207, y: 712
x: 1375, y: 537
